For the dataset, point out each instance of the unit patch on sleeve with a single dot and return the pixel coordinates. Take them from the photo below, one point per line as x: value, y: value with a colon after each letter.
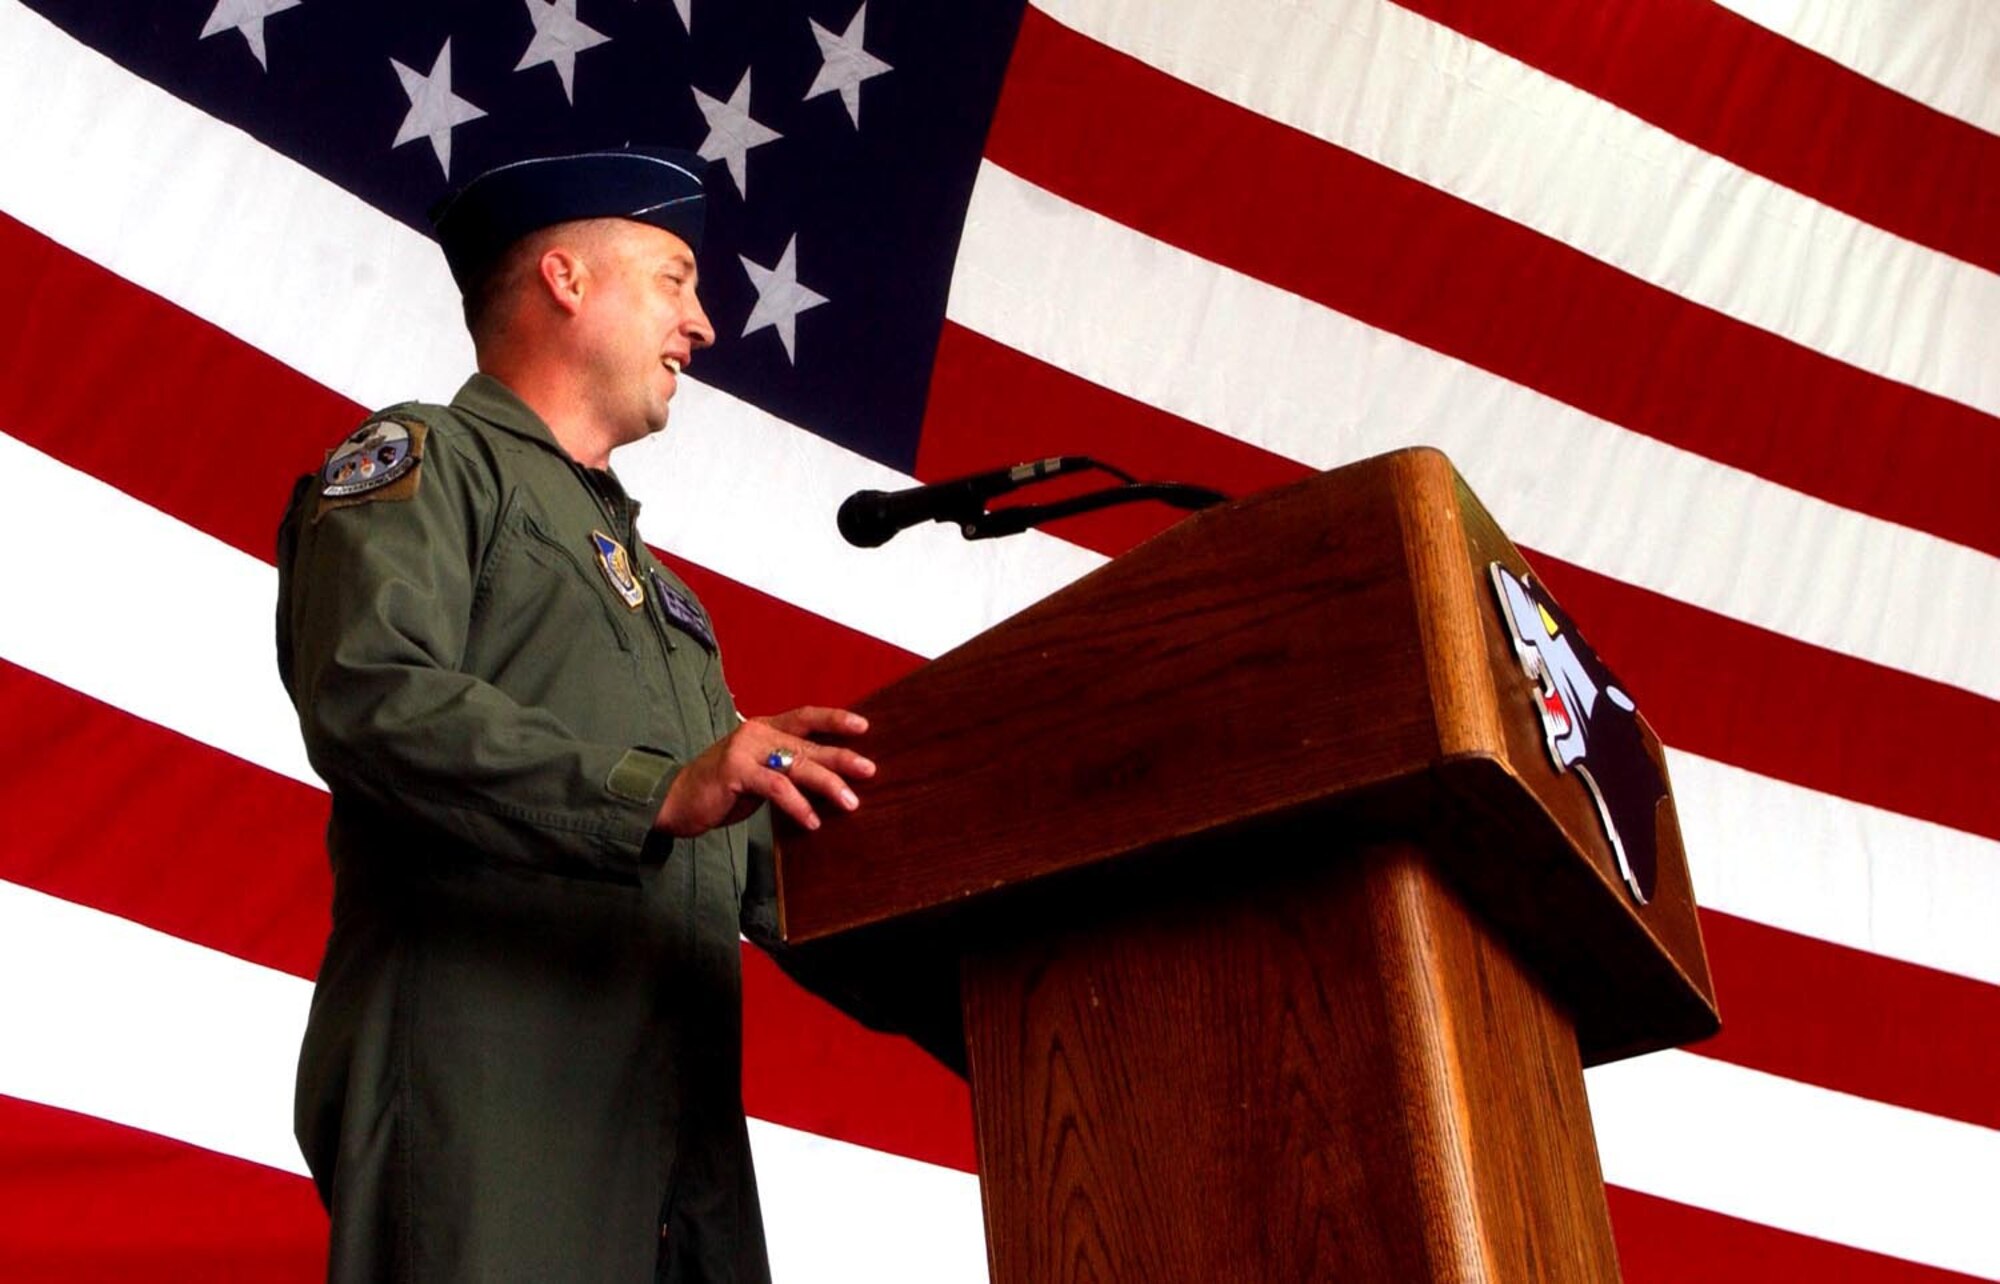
x: 379, y: 461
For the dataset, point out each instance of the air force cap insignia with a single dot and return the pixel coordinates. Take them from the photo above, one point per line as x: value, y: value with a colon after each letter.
x: 1590, y: 724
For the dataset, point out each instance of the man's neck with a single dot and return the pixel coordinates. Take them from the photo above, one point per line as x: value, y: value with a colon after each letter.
x: 557, y: 399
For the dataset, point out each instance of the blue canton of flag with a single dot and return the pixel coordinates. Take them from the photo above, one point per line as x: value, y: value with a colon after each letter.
x: 843, y: 142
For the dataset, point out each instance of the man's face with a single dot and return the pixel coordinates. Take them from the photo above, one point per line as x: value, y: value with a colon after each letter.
x: 640, y: 322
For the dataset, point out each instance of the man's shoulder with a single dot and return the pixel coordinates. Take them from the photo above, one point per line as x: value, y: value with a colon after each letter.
x: 448, y: 425
x: 448, y: 436
x: 397, y: 453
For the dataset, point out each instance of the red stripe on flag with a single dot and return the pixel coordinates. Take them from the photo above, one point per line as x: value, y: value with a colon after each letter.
x: 1108, y: 132
x: 780, y: 656
x: 1710, y: 685
x: 84, y: 1201
x: 139, y: 393
x: 1759, y: 700
x: 991, y: 405
x: 1853, y: 1021
x: 1745, y: 93
x: 1661, y: 1242
x: 113, y: 812
x: 807, y: 1066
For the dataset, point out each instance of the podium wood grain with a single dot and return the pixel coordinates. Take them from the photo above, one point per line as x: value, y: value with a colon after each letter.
x: 1339, y: 1077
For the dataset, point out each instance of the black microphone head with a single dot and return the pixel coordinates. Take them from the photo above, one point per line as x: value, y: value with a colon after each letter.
x: 862, y: 521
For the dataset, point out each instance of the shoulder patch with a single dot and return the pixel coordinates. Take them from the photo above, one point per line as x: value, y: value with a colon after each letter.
x: 380, y: 460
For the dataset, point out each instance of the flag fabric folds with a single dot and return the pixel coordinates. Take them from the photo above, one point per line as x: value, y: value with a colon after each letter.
x: 1700, y: 297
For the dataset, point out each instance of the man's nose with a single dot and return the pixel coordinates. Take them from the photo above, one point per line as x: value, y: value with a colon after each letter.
x: 696, y: 325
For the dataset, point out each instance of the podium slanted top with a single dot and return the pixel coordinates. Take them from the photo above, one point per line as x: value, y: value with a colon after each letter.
x: 1296, y: 675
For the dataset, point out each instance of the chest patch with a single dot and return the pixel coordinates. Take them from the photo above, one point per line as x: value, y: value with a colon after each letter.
x: 616, y: 564
x: 683, y: 611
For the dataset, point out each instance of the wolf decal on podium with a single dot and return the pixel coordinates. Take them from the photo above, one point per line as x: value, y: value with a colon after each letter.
x: 1591, y: 724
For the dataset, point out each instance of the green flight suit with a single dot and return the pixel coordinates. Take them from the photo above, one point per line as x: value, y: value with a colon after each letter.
x: 523, y: 1060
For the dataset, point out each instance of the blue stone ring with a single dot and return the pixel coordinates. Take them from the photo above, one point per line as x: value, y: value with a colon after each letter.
x: 781, y: 760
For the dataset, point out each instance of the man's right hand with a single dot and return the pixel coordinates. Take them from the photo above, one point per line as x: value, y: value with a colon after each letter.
x: 732, y: 778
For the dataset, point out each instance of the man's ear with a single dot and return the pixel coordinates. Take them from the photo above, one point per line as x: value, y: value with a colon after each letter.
x: 565, y: 276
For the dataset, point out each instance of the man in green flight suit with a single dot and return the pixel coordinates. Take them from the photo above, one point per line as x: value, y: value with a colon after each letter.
x: 523, y: 1060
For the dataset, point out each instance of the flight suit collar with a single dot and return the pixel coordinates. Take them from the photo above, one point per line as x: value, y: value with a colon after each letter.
x: 497, y: 404
x: 487, y: 398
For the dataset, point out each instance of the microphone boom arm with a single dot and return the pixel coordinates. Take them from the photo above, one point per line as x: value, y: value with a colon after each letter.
x: 870, y: 518
x: 1021, y: 517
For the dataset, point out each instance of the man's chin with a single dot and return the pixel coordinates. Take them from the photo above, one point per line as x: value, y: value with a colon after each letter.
x: 656, y: 418
x: 641, y: 431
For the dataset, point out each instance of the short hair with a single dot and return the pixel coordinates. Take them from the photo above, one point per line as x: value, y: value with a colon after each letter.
x: 492, y: 287
x: 484, y: 295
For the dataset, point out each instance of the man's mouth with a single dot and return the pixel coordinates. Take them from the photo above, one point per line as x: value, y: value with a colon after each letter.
x: 671, y: 363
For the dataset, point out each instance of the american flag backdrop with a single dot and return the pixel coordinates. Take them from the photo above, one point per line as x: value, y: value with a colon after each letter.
x: 1702, y: 298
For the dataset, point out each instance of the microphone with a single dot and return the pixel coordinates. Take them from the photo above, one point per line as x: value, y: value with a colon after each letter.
x: 869, y: 518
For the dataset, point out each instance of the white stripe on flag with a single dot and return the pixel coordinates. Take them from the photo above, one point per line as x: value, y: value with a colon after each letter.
x: 751, y: 497
x: 142, y: 611
x: 1838, y: 870
x: 1945, y: 53
x: 837, y: 1213
x: 118, y: 1021
x: 1806, y: 1159
x: 1418, y: 97
x: 1806, y: 861
x: 1317, y: 386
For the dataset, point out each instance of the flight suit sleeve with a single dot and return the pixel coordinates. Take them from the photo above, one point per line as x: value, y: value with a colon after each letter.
x: 375, y: 599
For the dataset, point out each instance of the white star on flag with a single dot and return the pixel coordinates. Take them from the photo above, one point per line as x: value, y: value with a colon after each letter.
x: 684, y: 9
x: 844, y: 64
x: 246, y: 16
x: 559, y: 37
x: 434, y: 110
x: 731, y: 132
x: 780, y: 297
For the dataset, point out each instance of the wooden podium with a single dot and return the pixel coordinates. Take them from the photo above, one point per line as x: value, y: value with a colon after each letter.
x: 1243, y: 874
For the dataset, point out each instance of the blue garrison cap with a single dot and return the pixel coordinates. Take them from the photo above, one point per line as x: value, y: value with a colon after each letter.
x: 656, y: 185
